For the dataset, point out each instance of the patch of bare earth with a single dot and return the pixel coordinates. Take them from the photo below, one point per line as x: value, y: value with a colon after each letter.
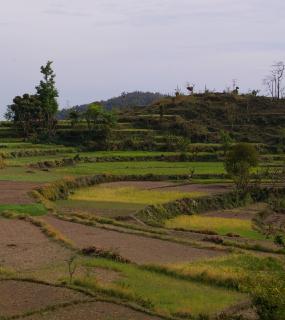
x: 24, y: 246
x: 277, y: 220
x: 27, y: 296
x: 56, y: 273
x: 16, y: 192
x: 136, y: 248
x: 171, y: 186
x: 94, y: 311
x: 243, y: 213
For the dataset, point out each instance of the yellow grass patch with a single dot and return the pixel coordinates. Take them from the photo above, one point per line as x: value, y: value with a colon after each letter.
x: 221, y: 226
x: 130, y: 195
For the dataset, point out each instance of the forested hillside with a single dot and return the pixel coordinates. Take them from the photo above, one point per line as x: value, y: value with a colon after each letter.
x: 136, y: 98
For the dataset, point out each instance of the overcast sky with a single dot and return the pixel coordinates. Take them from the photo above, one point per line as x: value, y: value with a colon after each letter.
x: 103, y: 47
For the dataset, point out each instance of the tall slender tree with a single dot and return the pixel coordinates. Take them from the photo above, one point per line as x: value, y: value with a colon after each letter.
x: 47, y: 95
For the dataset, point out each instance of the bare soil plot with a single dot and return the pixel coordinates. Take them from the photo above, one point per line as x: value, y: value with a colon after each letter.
x: 277, y: 220
x: 244, y: 213
x: 29, y: 296
x: 138, y: 249
x: 94, y: 311
x: 54, y: 274
x: 23, y: 246
x: 16, y: 192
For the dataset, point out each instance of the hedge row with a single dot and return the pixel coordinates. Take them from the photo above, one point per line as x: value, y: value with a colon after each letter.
x: 34, y: 152
x: 155, y: 214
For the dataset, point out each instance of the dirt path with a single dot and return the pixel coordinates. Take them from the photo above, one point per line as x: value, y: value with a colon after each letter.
x: 94, y: 311
x: 23, y: 246
x: 138, y: 249
x: 16, y: 192
x: 29, y: 296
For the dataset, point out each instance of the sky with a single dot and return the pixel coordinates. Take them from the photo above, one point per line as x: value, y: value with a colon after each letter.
x: 101, y: 48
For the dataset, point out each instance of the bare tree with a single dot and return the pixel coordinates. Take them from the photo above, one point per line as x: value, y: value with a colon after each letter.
x: 268, y: 82
x: 72, y: 266
x: 273, y: 82
x: 177, y: 91
x: 278, y: 73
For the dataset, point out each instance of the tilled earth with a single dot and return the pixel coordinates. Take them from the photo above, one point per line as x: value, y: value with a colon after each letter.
x: 16, y: 192
x: 93, y: 311
x: 136, y: 248
x: 24, y: 246
x: 19, y: 297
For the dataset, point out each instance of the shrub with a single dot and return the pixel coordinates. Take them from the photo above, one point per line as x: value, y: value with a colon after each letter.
x: 98, y: 252
x: 268, y: 295
x: 238, y: 163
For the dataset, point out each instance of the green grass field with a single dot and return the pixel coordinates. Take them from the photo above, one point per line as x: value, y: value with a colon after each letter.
x: 143, y: 167
x: 23, y: 173
x: 166, y: 295
x: 36, y: 209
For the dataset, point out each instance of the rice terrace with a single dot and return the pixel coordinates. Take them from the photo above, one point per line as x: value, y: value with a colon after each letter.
x: 145, y: 206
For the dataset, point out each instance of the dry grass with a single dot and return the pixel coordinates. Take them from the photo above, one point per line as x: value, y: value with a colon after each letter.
x: 130, y: 195
x: 221, y: 226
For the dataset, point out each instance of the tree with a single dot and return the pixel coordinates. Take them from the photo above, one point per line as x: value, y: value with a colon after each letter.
x: 226, y: 141
x: 274, y: 81
x: 74, y: 117
x: 99, y: 122
x: 161, y: 111
x: 47, y: 94
x: 238, y: 163
x: 26, y: 114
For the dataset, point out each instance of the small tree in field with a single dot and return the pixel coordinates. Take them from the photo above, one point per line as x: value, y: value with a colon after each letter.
x: 238, y: 163
x: 226, y: 141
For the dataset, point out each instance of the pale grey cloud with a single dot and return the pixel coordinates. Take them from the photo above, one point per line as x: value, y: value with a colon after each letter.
x: 103, y: 47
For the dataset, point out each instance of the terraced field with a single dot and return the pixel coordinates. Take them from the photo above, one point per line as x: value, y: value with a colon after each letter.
x: 94, y: 253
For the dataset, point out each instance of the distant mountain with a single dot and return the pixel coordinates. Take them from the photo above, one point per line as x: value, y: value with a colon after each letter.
x: 126, y: 99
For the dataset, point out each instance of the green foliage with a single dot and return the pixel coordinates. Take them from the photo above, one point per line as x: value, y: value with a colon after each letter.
x: 226, y: 140
x: 238, y: 163
x: 74, y: 117
x: 99, y: 122
x: 279, y: 240
x: 268, y: 294
x: 36, y: 209
x: 25, y: 112
x: 47, y: 94
x: 35, y: 114
x: 155, y: 215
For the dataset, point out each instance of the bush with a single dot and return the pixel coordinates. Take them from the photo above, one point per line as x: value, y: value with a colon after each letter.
x: 239, y: 162
x: 268, y: 297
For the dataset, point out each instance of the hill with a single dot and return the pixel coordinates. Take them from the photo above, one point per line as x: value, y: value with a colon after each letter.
x: 201, y: 117
x: 131, y: 99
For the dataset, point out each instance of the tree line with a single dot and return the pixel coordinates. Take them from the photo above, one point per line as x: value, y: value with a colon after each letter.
x: 34, y: 115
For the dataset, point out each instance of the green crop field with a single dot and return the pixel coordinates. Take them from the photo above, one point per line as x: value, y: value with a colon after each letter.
x: 143, y: 168
x: 167, y: 294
